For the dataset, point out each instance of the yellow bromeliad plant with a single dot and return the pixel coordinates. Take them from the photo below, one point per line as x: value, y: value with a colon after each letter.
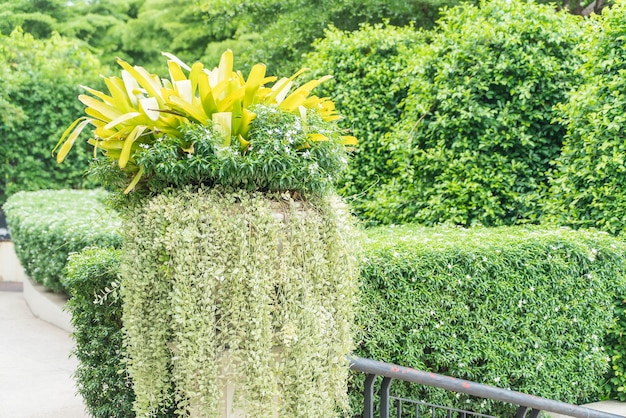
x: 141, y: 109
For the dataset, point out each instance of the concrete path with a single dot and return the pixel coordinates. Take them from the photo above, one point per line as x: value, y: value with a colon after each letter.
x: 35, y: 365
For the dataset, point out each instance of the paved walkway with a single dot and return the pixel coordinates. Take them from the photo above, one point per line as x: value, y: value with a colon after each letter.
x: 35, y: 365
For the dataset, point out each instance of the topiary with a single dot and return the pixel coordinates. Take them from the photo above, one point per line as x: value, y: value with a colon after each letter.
x: 476, y: 138
x: 590, y: 177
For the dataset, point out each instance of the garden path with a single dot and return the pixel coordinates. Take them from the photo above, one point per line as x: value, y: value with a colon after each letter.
x: 35, y: 364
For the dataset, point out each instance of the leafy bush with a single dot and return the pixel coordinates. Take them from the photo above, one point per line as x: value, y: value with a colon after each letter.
x: 38, y: 92
x: 47, y: 225
x: 588, y: 188
x: 369, y: 87
x: 250, y: 286
x: 96, y: 307
x: 476, y: 138
x: 525, y: 309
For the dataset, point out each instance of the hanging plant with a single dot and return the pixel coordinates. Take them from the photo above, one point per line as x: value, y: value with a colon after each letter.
x: 261, y: 300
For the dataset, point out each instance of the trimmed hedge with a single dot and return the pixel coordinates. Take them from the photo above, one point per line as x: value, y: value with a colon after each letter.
x: 516, y: 308
x: 47, y: 225
x: 477, y: 136
x: 96, y: 307
x: 588, y: 187
x: 369, y: 86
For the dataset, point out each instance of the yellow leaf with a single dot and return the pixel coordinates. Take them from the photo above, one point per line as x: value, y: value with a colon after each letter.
x: 71, y: 133
x: 194, y: 112
x: 109, y: 112
x: 174, y: 58
x: 151, y: 84
x: 349, y: 140
x: 100, y: 95
x: 108, y: 145
x: 280, y: 86
x: 225, y: 70
x: 121, y: 100
x: 226, y: 104
x: 194, y: 75
x: 183, y: 88
x: 206, y: 94
x: 133, y: 183
x: 223, y: 124
x: 128, y: 143
x: 317, y: 137
x: 150, y: 107
x: 247, y: 117
x: 121, y: 119
x: 176, y: 73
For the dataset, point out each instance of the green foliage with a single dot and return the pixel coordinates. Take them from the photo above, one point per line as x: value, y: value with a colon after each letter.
x: 248, y: 135
x: 285, y: 30
x: 163, y: 25
x: 587, y: 189
x: 525, y: 309
x: 96, y: 307
x: 39, y: 18
x: 615, y: 387
x: 47, y: 225
x: 255, y: 288
x: 476, y: 138
x: 38, y: 90
x: 369, y: 86
x: 276, y: 160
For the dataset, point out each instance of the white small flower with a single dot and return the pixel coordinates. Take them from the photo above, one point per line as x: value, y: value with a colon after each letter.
x: 532, y: 288
x: 496, y: 379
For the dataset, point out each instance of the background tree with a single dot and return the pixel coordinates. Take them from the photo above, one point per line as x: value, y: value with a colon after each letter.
x: 39, y: 88
x: 279, y: 33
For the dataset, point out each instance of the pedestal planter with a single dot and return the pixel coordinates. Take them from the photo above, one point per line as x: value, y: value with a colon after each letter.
x: 240, y: 287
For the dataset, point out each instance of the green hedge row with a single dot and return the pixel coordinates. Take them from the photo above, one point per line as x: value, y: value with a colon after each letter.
x: 96, y: 307
x: 46, y: 226
x: 539, y: 311
x: 529, y: 310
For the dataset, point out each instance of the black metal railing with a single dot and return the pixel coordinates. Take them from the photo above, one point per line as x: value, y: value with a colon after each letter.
x: 529, y: 406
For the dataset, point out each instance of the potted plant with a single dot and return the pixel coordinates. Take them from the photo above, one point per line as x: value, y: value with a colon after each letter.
x: 238, y: 274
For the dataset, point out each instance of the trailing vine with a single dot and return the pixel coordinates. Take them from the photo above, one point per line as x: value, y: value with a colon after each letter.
x: 257, y: 289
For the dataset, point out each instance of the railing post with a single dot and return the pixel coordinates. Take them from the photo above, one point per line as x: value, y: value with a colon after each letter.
x: 384, y: 397
x: 368, y: 396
